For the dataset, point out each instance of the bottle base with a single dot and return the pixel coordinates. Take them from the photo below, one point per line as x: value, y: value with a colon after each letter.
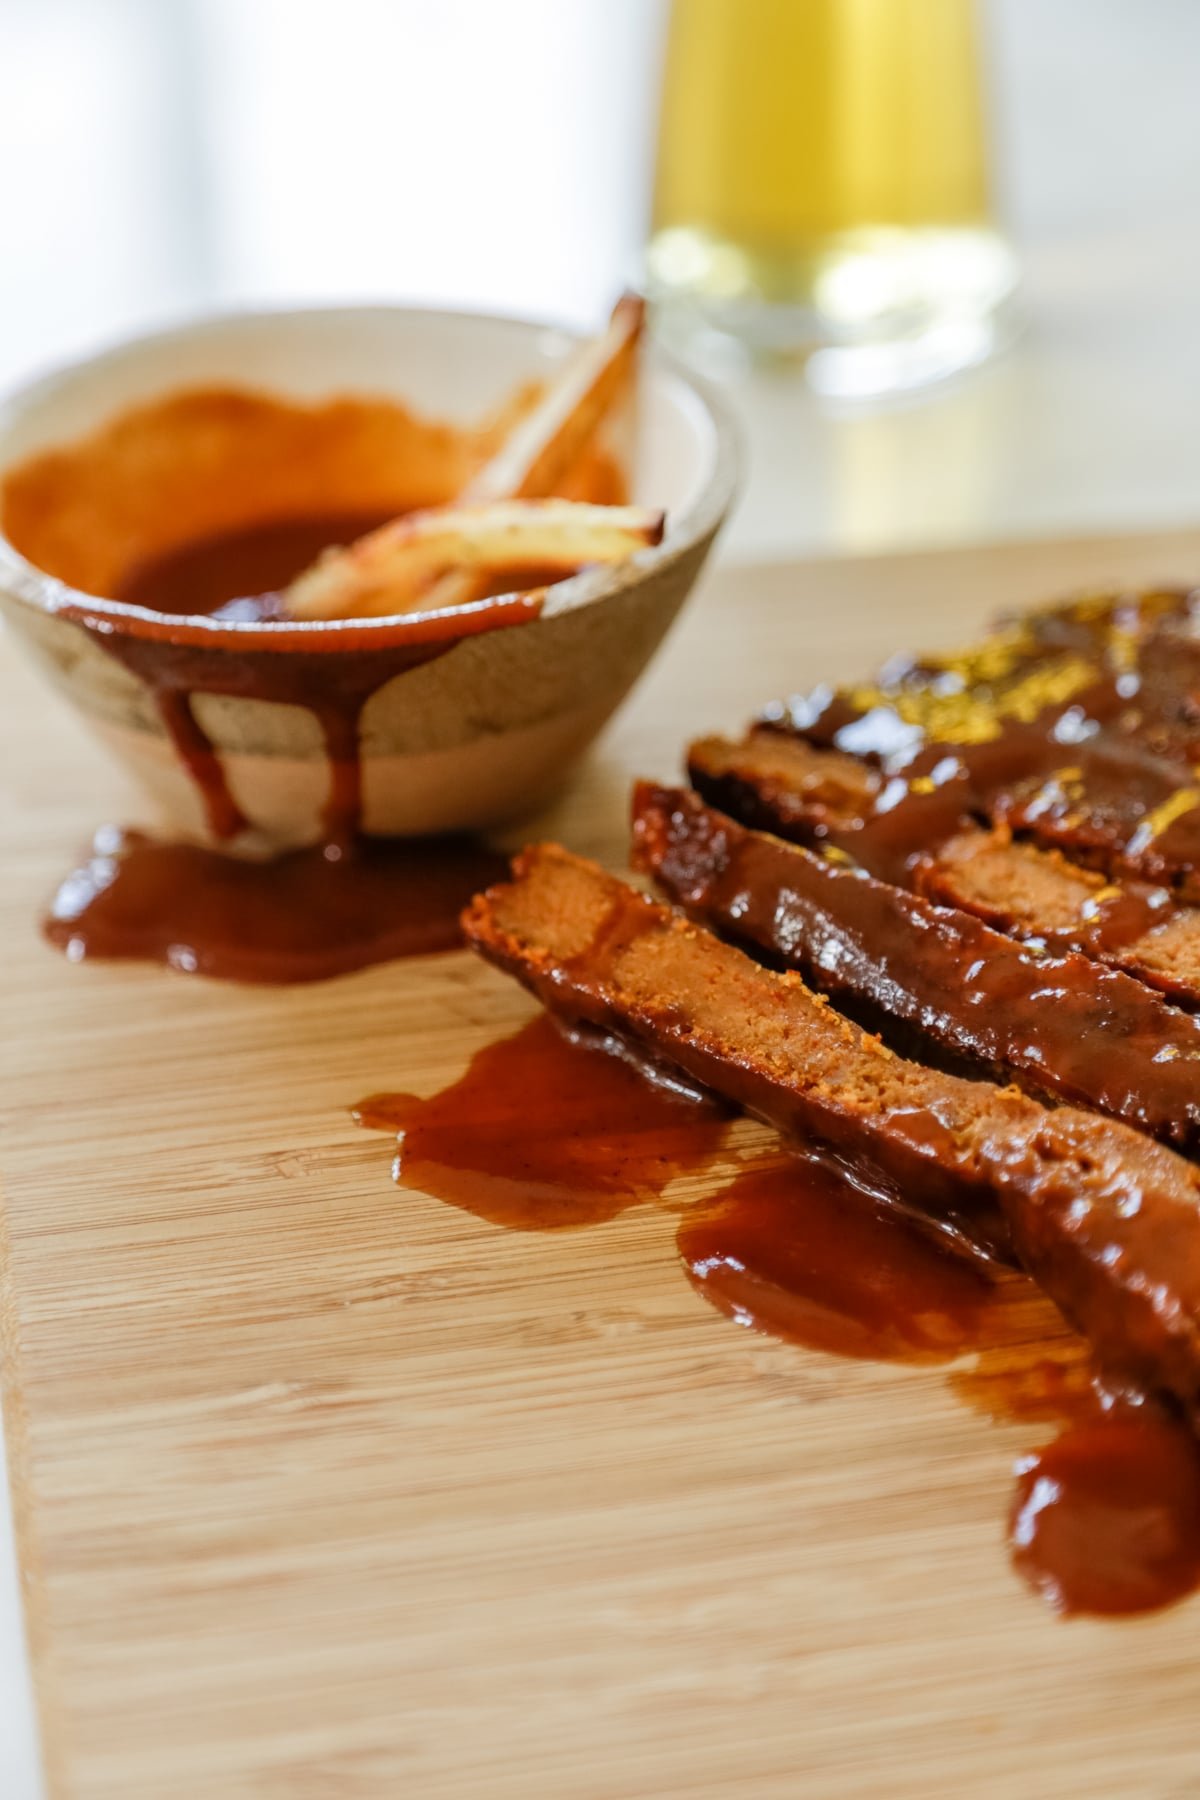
x: 875, y: 311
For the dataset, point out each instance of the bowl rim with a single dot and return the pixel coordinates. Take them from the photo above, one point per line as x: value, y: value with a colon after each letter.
x: 699, y: 519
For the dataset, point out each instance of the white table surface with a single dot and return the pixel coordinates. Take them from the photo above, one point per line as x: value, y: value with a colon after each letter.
x: 1090, y: 423
x: 18, y: 1736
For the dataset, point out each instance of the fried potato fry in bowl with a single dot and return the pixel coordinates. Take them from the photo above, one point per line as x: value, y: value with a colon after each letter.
x: 132, y: 484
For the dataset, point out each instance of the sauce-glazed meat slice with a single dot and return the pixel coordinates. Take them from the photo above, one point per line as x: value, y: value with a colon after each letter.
x: 767, y: 781
x: 1077, y: 727
x: 1063, y: 1026
x: 1106, y: 803
x: 1105, y: 1219
x: 792, y: 778
x: 777, y: 780
x: 1038, y: 893
x: 814, y: 796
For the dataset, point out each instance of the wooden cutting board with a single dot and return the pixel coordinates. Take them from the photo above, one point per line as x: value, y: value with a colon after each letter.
x: 327, y: 1490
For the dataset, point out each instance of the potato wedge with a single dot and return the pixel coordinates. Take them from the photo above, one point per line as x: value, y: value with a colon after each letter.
x: 544, y: 444
x: 547, y: 440
x: 396, y: 569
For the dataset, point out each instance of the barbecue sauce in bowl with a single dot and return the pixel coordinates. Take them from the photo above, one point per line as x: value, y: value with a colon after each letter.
x: 341, y: 904
x: 199, y: 509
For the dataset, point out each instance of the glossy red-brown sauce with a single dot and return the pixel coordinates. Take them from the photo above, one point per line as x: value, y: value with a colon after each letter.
x: 346, y: 902
x: 797, y: 1250
x: 304, y: 916
x: 331, y: 679
x: 203, y: 504
x: 1105, y: 1518
x: 238, y: 574
x: 544, y: 1131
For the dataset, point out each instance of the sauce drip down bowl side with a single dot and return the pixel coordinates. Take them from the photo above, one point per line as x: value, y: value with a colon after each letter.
x: 453, y: 724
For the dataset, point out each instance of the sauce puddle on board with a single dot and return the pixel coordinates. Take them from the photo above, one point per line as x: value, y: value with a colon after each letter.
x: 543, y: 1132
x: 345, y: 903
x: 304, y: 916
x: 1106, y: 1519
x: 798, y: 1251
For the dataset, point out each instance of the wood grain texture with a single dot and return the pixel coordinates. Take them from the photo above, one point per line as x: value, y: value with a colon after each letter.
x: 326, y: 1491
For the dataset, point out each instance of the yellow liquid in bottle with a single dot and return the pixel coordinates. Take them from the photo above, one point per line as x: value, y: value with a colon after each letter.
x: 827, y: 157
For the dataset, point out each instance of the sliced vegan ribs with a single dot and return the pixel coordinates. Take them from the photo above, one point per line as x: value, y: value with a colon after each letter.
x: 1107, y: 802
x: 992, y: 859
x: 1107, y: 1220
x: 1079, y: 729
x: 1047, y: 779
x: 786, y: 783
x: 942, y: 982
x: 1040, y: 894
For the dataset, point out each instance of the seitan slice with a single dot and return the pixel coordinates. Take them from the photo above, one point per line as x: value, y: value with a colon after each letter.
x: 1104, y: 1218
x: 1063, y: 1026
x: 1039, y: 893
x: 1017, y: 887
x: 1076, y: 726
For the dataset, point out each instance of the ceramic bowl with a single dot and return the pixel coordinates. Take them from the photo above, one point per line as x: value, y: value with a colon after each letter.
x: 479, y: 736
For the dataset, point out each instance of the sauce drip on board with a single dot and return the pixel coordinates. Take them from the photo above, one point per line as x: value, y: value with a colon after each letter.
x: 304, y: 916
x: 1105, y: 1519
x: 544, y: 1131
x: 342, y: 904
x: 798, y: 1251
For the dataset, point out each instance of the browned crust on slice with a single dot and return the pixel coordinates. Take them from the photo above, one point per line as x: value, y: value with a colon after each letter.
x: 788, y: 779
x: 1105, y: 1219
x: 1039, y: 893
x: 1014, y: 886
x: 1168, y: 957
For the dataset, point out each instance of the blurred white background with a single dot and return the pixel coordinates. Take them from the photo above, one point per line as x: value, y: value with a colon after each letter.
x: 164, y: 156
x: 159, y: 157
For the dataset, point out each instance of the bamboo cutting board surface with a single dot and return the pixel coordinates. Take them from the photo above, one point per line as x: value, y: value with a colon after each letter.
x: 326, y: 1491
